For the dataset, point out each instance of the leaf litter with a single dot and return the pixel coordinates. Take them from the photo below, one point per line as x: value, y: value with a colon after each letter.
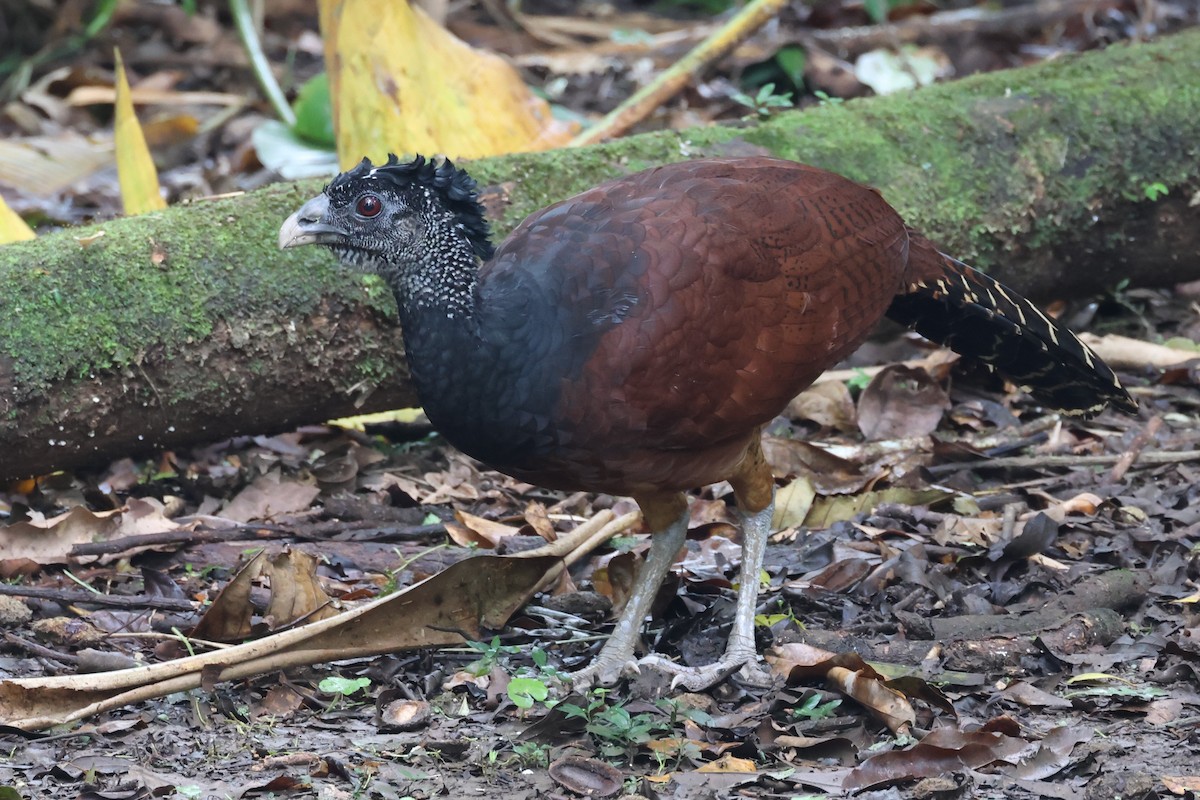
x: 1028, y: 630
x: 989, y: 602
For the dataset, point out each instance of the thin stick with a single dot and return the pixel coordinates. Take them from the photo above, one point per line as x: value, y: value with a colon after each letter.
x: 73, y: 596
x: 1135, y: 449
x: 1146, y: 460
x: 672, y: 80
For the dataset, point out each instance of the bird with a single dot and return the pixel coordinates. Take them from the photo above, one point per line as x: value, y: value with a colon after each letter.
x: 634, y: 339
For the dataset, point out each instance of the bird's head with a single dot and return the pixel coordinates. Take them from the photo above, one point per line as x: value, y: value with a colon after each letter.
x: 381, y: 218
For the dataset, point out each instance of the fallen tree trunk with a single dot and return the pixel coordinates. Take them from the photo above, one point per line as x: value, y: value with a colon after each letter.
x: 188, y: 325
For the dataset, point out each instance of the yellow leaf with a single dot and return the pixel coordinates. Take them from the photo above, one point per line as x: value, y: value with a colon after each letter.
x: 728, y: 763
x: 12, y: 227
x: 792, y: 504
x: 1094, y: 677
x: 401, y: 83
x: 135, y: 168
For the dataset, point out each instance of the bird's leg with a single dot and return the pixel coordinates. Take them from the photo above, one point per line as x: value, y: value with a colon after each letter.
x: 667, y: 518
x: 754, y: 488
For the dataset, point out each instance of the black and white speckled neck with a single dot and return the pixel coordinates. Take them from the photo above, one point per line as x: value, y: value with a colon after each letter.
x: 438, y: 275
x: 428, y: 242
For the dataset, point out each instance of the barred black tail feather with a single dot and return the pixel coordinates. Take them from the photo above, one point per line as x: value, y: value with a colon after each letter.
x: 952, y: 304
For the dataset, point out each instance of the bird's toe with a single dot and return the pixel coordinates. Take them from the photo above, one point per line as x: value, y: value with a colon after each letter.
x: 602, y: 672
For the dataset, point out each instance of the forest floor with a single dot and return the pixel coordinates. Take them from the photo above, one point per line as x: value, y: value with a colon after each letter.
x: 980, y: 600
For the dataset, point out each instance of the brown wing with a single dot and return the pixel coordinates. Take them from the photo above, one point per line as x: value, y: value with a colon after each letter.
x: 742, y: 281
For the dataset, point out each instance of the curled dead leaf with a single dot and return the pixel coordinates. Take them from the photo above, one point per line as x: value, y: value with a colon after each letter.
x: 586, y: 776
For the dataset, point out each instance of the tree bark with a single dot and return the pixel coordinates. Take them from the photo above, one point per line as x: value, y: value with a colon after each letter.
x: 188, y: 325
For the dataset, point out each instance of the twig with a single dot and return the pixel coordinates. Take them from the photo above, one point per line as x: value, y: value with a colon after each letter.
x: 947, y: 24
x: 73, y: 596
x: 374, y: 532
x: 671, y: 81
x: 1135, y: 449
x: 1146, y: 460
x: 39, y: 650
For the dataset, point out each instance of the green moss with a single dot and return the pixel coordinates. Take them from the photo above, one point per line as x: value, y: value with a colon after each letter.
x: 988, y: 166
x: 153, y: 284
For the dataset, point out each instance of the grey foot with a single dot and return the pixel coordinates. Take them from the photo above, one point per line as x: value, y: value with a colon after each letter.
x: 747, y: 667
x: 603, y: 672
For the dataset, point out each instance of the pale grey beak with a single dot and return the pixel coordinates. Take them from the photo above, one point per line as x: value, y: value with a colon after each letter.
x: 306, y: 227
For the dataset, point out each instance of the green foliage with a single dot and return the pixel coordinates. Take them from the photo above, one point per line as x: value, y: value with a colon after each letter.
x: 786, y: 615
x: 677, y: 712
x: 528, y: 686
x: 784, y: 69
x: 1155, y: 190
x: 878, y: 10
x: 813, y: 709
x: 712, y: 7
x: 314, y: 112
x: 524, y: 692
x: 344, y: 687
x: 532, y: 755
x: 860, y: 380
x: 764, y: 101
x: 489, y: 655
x: 618, y: 733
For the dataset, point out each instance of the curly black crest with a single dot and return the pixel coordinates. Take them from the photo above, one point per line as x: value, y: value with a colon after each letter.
x: 454, y: 188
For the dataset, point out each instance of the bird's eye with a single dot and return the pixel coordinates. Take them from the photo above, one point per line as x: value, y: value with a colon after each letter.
x: 368, y: 206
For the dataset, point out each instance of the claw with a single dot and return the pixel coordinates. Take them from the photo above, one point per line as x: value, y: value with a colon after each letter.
x: 696, y: 679
x: 603, y: 673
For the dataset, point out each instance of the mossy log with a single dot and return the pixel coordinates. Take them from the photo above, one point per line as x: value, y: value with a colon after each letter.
x: 188, y: 325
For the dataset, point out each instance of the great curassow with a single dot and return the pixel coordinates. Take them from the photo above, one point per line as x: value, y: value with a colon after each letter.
x: 635, y: 338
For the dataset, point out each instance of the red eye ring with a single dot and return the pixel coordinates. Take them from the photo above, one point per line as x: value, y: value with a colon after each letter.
x: 368, y: 206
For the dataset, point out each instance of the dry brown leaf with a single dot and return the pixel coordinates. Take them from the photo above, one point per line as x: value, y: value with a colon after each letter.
x: 901, y: 403
x: 270, y: 495
x: 1029, y: 695
x: 1181, y: 784
x: 935, y: 755
x: 827, y: 510
x: 448, y: 608
x: 296, y: 596
x: 539, y: 519
x: 452, y: 607
x: 49, y: 541
x: 477, y: 531
x: 885, y: 704
x: 792, y: 504
x: 828, y: 404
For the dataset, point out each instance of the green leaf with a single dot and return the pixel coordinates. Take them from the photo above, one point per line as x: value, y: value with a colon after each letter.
x: 314, y: 112
x: 877, y: 10
x: 344, y: 686
x: 524, y: 692
x: 791, y: 60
